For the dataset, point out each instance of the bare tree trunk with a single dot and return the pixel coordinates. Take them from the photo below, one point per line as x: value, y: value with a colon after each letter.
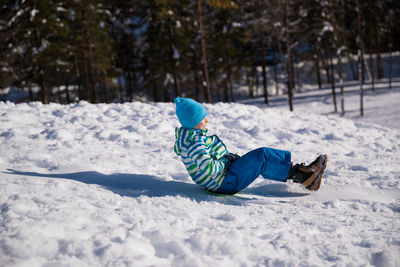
x: 67, y: 91
x: 226, y: 90
x: 129, y: 83
x: 175, y: 74
x: 327, y: 69
x: 340, y: 70
x: 281, y: 53
x: 231, y: 91
x: 121, y: 93
x: 352, y: 68
x: 390, y: 66
x: 217, y: 92
x: 105, y: 95
x: 318, y: 71
x: 366, y: 68
x: 128, y: 73
x: 177, y: 88
x: 206, y: 83
x: 379, y: 64
x: 229, y: 77
x: 360, y: 55
x: 275, y: 72
x: 264, y: 72
x: 166, y: 94
x: 250, y: 83
x: 86, y: 91
x: 298, y: 79
x: 22, y: 90
x: 288, y: 55
x: 45, y: 90
x: 256, y: 77
x: 93, y: 98
x: 30, y: 92
x: 360, y: 58
x: 333, y: 81
x: 372, y: 70
x: 225, y: 80
x: 363, y: 68
x: 79, y: 80
x: 59, y: 94
x: 293, y: 72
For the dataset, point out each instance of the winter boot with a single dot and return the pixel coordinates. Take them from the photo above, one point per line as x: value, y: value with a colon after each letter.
x: 309, y: 176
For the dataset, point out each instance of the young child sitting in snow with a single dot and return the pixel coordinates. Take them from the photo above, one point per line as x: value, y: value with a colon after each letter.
x: 210, y: 165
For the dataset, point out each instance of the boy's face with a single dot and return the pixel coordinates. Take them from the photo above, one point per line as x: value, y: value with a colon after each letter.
x: 202, y: 125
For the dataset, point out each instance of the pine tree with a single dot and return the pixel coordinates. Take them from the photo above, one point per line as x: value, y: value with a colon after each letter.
x: 91, y: 47
x: 8, y: 74
x: 162, y: 55
x: 33, y: 35
x: 225, y: 48
x: 128, y: 24
x: 261, y: 17
x: 213, y: 5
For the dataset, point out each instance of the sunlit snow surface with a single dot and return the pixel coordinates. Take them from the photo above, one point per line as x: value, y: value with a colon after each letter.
x: 100, y: 185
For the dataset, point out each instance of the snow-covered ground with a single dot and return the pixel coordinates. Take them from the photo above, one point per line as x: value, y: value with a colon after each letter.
x: 100, y: 185
x: 380, y: 106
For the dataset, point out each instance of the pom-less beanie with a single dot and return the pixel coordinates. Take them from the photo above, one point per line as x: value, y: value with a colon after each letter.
x: 190, y: 112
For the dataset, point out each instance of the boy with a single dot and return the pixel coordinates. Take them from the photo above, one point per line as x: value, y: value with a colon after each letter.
x: 210, y: 165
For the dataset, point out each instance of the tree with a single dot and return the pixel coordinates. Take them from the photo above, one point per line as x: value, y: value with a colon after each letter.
x: 91, y: 47
x: 328, y: 38
x: 126, y: 30
x: 206, y: 81
x: 341, y: 78
x: 158, y: 49
x: 287, y: 30
x: 391, y: 32
x: 34, y: 35
x: 225, y: 48
x: 260, y: 19
x: 360, y: 56
x: 213, y: 5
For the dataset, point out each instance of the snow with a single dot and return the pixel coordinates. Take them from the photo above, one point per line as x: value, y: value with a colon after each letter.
x: 327, y: 28
x: 380, y: 106
x: 33, y: 14
x: 100, y: 185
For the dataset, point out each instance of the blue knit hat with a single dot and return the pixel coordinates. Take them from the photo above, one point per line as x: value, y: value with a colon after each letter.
x: 190, y: 112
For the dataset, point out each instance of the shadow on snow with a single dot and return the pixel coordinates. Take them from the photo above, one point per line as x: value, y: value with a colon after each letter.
x: 136, y: 185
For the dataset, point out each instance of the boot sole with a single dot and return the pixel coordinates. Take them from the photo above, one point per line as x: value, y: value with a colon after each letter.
x: 314, y: 182
x: 318, y: 181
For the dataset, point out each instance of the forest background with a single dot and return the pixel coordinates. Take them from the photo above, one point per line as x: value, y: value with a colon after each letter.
x: 105, y: 51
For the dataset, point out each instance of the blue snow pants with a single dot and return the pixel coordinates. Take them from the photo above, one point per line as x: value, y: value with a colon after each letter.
x: 272, y: 164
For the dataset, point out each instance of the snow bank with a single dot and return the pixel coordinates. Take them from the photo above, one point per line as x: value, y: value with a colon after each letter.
x: 91, y: 185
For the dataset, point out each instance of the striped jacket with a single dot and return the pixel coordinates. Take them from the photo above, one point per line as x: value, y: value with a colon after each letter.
x: 202, y: 156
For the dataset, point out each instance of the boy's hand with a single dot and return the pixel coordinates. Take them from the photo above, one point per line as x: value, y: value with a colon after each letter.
x: 232, y: 157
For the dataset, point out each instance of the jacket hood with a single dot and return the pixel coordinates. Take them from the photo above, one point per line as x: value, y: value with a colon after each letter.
x: 183, y: 135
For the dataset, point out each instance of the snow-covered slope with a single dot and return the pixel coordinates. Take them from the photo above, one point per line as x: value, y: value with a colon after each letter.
x: 99, y: 185
x: 381, y: 105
